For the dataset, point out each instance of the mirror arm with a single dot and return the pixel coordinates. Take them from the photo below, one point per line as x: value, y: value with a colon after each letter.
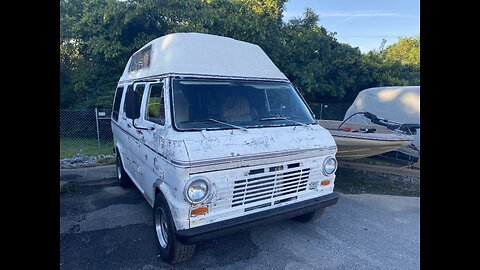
x: 142, y: 128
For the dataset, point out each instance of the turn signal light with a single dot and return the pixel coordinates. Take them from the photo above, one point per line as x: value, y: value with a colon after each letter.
x: 202, y: 210
x: 325, y: 183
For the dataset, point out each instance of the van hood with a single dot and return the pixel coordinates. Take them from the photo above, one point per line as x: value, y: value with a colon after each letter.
x: 257, y: 145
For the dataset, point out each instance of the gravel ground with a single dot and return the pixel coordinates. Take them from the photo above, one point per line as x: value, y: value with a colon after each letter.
x: 79, y: 161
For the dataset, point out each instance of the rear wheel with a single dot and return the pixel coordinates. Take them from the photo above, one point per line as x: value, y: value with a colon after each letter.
x: 123, y: 178
x: 308, y: 217
x: 171, y: 250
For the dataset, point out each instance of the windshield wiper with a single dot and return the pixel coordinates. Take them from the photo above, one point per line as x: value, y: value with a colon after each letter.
x: 284, y: 118
x: 216, y: 121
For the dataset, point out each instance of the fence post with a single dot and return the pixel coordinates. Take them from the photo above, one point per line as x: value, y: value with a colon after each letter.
x: 321, y: 110
x: 98, y: 130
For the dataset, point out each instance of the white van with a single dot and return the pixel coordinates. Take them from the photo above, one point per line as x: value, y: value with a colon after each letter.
x: 217, y: 139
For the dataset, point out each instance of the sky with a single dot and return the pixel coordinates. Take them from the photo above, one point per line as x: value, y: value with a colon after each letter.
x: 362, y: 23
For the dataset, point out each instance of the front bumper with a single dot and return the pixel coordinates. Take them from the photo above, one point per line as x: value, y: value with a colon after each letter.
x: 202, y: 233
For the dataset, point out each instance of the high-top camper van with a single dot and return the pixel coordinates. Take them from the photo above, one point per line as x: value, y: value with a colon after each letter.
x: 217, y: 139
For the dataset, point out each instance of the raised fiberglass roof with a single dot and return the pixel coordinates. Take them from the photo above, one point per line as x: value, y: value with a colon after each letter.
x: 200, y: 54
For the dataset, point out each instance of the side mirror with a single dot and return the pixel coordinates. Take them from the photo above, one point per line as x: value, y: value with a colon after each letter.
x: 133, y: 101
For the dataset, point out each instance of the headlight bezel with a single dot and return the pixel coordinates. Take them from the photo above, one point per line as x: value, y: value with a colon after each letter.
x: 327, y: 159
x: 190, y: 182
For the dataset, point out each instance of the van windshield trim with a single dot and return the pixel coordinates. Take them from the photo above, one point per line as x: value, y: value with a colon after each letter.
x: 223, y: 125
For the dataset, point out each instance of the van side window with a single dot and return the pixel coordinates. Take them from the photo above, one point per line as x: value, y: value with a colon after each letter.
x: 156, y: 106
x: 116, y: 103
x: 139, y: 88
x: 129, y: 88
x: 141, y: 59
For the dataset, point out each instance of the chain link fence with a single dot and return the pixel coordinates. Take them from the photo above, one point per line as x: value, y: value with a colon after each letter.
x: 330, y: 111
x: 85, y: 132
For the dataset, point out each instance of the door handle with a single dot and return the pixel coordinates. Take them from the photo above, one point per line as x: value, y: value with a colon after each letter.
x: 155, y: 164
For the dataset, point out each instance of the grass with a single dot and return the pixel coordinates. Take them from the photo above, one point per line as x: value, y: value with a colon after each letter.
x: 84, y: 146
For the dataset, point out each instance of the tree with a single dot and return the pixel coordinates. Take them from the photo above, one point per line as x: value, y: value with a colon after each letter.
x: 98, y: 36
x: 405, y: 51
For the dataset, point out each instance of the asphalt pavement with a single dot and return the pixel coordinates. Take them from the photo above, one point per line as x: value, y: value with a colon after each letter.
x: 103, y: 226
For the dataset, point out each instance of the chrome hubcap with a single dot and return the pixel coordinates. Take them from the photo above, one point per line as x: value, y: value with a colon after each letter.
x: 161, y: 227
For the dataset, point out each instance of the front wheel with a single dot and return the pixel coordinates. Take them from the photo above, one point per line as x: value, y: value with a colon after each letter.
x: 171, y: 250
x: 308, y: 217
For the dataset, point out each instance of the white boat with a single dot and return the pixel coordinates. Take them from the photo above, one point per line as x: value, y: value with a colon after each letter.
x: 398, y: 104
x: 356, y: 140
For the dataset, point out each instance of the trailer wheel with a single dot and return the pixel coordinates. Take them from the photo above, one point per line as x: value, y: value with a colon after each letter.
x: 123, y: 178
x: 308, y: 217
x: 171, y: 250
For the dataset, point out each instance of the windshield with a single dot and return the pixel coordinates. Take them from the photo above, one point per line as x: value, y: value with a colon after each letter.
x: 230, y: 104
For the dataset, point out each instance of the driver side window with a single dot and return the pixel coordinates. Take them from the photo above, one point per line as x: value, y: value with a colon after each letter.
x: 156, y: 106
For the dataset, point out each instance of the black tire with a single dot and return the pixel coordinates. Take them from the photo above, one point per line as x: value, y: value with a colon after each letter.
x: 171, y: 250
x: 122, y: 177
x: 308, y: 217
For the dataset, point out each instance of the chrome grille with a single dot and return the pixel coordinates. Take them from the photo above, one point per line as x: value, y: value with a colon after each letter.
x: 269, y: 183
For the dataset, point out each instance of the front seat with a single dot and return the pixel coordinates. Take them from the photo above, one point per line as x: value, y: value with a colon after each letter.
x: 236, y: 109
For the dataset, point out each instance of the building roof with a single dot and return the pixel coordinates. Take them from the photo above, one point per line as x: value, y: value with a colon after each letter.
x: 200, y: 54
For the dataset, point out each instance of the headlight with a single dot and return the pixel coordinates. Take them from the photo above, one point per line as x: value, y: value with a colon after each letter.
x: 197, y: 190
x: 329, y: 166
